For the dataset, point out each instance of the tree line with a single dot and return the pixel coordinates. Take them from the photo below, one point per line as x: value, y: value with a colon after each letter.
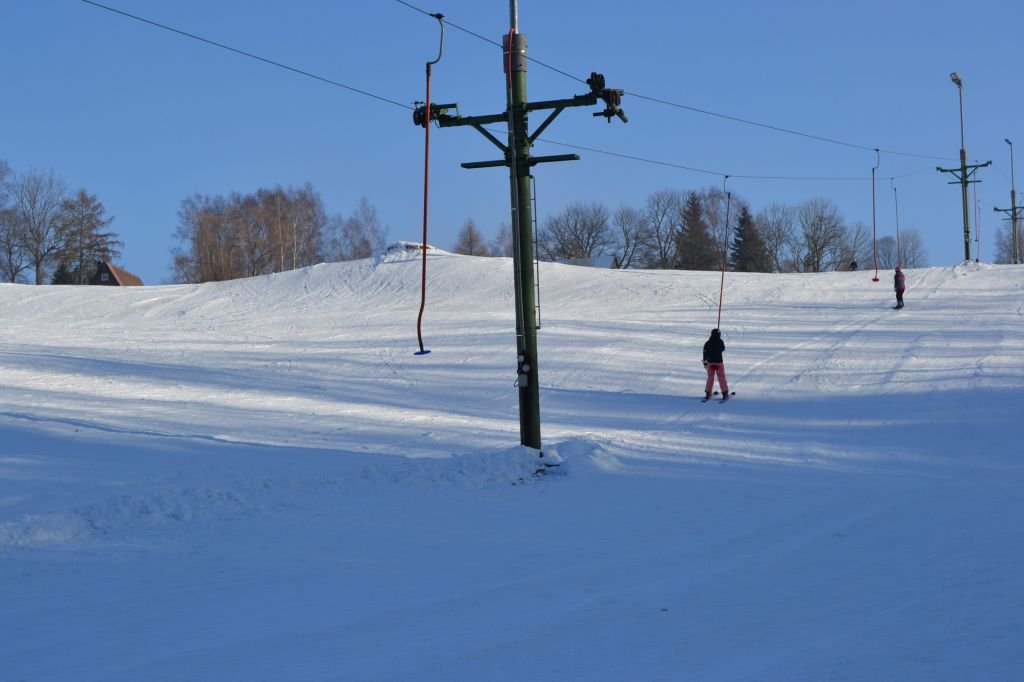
x: 268, y: 231
x: 705, y: 229
x: 49, y: 233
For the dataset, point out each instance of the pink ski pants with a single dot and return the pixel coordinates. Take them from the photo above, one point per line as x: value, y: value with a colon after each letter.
x: 716, y: 369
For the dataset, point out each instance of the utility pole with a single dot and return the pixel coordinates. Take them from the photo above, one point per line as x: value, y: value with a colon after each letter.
x: 963, y: 176
x: 964, y: 173
x: 519, y: 161
x: 1013, y: 212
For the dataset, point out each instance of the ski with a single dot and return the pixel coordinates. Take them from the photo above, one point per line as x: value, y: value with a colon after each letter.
x: 717, y: 393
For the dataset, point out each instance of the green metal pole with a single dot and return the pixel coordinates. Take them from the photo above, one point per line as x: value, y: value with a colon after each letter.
x: 522, y: 223
x: 1014, y: 225
x: 967, y: 213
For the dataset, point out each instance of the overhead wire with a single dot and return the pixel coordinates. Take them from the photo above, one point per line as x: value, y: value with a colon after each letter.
x: 387, y: 100
x: 780, y: 129
x: 706, y: 112
x: 245, y: 54
x: 669, y: 164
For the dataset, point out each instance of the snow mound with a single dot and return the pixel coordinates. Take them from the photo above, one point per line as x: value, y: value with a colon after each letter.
x: 403, y: 250
x: 121, y: 513
x: 511, y: 467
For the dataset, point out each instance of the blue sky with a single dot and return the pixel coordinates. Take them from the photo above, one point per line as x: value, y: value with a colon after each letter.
x: 145, y: 118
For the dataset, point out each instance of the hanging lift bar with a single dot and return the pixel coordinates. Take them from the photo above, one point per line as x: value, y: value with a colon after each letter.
x: 426, y: 193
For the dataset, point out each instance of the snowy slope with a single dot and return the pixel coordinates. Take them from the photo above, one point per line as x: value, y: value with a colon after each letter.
x: 258, y: 480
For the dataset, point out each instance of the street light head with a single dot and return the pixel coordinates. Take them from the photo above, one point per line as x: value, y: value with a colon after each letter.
x: 1007, y: 141
x: 955, y: 77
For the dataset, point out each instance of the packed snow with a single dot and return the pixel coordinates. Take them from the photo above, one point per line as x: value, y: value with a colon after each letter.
x: 259, y: 480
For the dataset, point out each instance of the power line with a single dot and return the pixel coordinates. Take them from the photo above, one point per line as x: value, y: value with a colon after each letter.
x: 563, y: 144
x: 721, y: 174
x: 246, y: 54
x: 633, y: 158
x: 706, y: 112
x: 784, y: 130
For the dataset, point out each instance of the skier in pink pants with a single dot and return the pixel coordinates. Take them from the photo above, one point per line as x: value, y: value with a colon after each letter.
x: 714, y: 364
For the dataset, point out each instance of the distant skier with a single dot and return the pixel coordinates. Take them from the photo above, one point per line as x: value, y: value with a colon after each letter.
x: 899, y: 283
x: 853, y: 265
x: 714, y: 364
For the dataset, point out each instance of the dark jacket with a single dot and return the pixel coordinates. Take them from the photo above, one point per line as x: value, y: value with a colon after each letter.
x: 713, y: 348
x: 899, y: 281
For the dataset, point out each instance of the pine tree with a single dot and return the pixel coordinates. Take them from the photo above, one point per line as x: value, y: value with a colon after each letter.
x: 85, y: 237
x: 696, y: 250
x: 63, y: 275
x: 748, y: 252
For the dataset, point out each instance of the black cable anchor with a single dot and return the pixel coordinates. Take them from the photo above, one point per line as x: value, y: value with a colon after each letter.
x: 612, y: 98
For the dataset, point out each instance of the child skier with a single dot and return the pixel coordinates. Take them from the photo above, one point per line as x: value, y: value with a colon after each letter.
x: 899, y: 283
x: 714, y: 364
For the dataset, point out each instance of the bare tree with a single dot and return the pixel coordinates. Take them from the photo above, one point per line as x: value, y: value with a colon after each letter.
x: 248, y: 235
x: 858, y: 247
x: 289, y: 226
x: 38, y: 208
x: 1004, y: 244
x: 86, y: 239
x: 885, y: 250
x: 358, y: 236
x: 503, y: 244
x: 822, y: 232
x: 13, y: 261
x: 470, y: 241
x: 663, y: 216
x: 307, y: 221
x: 630, y: 232
x: 912, y: 249
x: 720, y: 211
x: 777, y: 225
x: 247, y: 222
x: 205, y: 229
x: 579, y: 232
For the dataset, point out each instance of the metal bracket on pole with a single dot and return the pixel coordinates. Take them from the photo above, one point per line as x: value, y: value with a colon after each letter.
x: 1016, y: 213
x: 533, y: 161
x: 963, y: 176
x: 971, y: 170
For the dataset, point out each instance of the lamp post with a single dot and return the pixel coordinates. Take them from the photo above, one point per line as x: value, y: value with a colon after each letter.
x: 955, y: 77
x: 896, y: 197
x: 1015, y: 236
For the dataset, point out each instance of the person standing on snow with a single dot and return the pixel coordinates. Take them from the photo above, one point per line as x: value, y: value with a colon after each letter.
x: 899, y: 283
x: 714, y: 364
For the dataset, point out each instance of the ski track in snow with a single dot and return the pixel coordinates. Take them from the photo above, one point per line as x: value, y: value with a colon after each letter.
x: 259, y: 480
